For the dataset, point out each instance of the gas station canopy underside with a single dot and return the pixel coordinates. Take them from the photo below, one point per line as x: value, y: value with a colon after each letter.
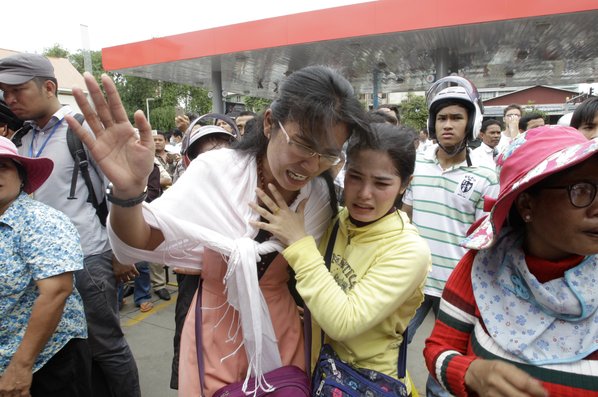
x: 407, y: 44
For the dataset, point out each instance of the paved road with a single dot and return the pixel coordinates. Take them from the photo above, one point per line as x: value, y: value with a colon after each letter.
x: 150, y: 337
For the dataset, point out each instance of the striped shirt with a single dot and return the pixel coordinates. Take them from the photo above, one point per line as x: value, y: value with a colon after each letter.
x: 459, y: 337
x: 445, y: 204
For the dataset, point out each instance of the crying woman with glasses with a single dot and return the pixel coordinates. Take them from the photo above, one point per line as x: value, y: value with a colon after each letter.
x: 243, y: 322
x: 518, y: 316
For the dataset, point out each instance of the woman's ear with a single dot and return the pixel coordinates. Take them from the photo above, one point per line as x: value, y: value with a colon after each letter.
x: 524, y: 203
x: 405, y: 185
x: 268, y: 123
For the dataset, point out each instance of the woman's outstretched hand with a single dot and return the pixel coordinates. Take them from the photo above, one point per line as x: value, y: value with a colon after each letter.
x: 287, y: 226
x: 125, y: 156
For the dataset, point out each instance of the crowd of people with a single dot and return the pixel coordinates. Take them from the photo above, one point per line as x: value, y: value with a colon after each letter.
x: 313, y: 218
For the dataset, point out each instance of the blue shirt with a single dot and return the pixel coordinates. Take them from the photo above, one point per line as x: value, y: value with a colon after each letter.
x: 36, y: 242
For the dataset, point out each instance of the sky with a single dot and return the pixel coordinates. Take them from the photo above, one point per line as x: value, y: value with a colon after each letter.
x: 115, y: 22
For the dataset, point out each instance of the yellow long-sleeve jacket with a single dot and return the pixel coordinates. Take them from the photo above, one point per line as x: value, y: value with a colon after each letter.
x: 373, y: 288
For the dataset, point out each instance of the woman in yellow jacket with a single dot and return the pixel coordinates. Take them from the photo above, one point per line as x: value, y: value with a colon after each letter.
x: 379, y: 262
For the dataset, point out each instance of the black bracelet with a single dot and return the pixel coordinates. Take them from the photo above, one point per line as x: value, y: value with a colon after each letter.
x: 126, y: 203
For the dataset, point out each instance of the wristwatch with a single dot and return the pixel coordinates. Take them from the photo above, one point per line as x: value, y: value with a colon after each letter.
x: 132, y: 202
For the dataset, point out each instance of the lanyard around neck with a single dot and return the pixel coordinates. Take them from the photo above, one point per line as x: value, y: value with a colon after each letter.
x: 41, y: 149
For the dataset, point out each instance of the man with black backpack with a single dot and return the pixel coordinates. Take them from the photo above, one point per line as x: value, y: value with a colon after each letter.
x: 76, y: 187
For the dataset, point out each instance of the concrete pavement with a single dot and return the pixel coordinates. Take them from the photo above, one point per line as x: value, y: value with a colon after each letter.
x: 150, y: 338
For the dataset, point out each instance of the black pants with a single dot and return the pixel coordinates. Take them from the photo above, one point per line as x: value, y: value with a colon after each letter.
x: 187, y: 286
x: 67, y: 374
x: 114, y: 371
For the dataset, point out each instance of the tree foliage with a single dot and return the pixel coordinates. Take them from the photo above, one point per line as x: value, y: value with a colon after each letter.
x: 531, y: 108
x: 162, y: 118
x: 164, y: 99
x: 56, y: 51
x: 256, y: 104
x: 78, y: 61
x: 414, y: 112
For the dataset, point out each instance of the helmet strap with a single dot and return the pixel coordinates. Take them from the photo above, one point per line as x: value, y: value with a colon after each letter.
x: 456, y: 150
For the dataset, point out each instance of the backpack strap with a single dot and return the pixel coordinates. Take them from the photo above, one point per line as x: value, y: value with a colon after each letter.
x: 20, y: 133
x: 82, y: 164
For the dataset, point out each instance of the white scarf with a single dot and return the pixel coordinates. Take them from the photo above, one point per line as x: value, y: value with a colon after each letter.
x: 540, y: 323
x: 208, y: 207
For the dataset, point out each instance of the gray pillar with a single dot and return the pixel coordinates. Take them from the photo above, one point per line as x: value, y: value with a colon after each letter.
x: 217, y: 102
x: 376, y: 84
x: 85, y: 44
x: 442, y: 62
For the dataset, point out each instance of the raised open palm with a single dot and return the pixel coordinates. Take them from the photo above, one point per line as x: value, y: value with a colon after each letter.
x: 125, y: 156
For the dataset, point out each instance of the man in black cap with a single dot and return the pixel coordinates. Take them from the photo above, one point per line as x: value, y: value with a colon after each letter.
x: 30, y: 91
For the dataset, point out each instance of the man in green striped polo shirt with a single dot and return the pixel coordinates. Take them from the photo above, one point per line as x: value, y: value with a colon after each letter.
x: 446, y: 195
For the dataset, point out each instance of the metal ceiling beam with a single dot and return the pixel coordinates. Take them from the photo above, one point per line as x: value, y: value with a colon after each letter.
x: 494, y: 44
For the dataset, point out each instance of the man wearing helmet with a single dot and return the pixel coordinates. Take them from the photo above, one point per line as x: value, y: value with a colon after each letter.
x: 446, y: 195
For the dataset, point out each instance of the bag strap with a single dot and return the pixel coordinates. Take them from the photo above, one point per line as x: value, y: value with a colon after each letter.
x: 402, y: 357
x: 199, y: 339
x: 20, y: 133
x: 307, y: 331
x: 330, y: 246
x: 81, y: 163
x: 402, y: 360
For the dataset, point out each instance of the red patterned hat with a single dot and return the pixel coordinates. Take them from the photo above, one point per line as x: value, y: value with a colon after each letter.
x: 37, y: 169
x: 531, y: 157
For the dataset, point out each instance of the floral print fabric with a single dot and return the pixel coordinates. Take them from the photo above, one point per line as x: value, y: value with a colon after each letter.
x: 540, y: 323
x: 36, y: 242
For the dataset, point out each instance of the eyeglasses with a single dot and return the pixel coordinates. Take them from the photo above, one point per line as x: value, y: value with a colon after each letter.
x: 305, y: 151
x: 581, y: 194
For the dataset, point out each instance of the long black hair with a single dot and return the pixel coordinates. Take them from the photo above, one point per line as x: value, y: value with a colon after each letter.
x: 396, y: 141
x: 316, y: 98
x: 585, y: 113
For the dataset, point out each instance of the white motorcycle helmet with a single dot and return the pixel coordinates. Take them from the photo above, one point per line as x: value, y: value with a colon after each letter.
x: 192, y: 135
x: 458, y: 90
x: 565, y: 119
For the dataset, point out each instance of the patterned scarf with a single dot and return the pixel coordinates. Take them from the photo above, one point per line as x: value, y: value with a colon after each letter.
x: 540, y: 323
x: 208, y: 207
